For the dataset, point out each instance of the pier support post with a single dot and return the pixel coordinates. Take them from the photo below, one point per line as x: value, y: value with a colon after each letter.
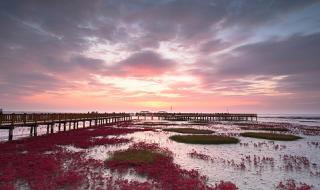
x: 35, y: 130
x: 52, y: 126
x: 10, y: 133
x: 31, y: 131
x: 47, y: 128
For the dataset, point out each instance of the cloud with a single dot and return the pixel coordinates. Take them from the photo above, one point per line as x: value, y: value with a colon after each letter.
x: 142, y: 64
x: 213, y: 46
x: 45, y: 46
x: 29, y: 83
x: 282, y: 65
x: 296, y: 54
x: 75, y: 64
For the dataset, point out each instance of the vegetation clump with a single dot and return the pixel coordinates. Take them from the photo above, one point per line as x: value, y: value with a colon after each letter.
x: 43, y: 162
x: 157, y: 164
x: 291, y: 184
x: 189, y: 130
x: 135, y: 156
x: 271, y: 136
x: 204, y: 139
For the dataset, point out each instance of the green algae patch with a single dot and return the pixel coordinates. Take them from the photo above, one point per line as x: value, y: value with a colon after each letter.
x: 136, y: 156
x: 204, y: 139
x: 271, y: 136
x: 189, y: 130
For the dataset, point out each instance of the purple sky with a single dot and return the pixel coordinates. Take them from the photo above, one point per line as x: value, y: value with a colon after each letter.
x: 209, y: 56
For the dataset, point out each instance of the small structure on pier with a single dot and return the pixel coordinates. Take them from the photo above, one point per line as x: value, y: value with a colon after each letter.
x: 199, y: 116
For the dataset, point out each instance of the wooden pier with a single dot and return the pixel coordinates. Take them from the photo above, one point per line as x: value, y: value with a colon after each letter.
x: 64, y: 121
x: 70, y: 121
x: 199, y: 116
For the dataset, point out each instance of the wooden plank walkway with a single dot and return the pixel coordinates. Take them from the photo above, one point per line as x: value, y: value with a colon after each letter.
x: 33, y: 120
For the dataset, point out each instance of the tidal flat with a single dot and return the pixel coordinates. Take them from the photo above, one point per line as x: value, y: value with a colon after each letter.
x: 86, y: 159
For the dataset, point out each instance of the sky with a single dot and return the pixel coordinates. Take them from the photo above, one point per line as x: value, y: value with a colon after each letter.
x: 189, y: 55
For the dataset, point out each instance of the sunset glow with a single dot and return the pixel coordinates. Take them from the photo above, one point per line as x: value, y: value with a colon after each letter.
x: 206, y: 56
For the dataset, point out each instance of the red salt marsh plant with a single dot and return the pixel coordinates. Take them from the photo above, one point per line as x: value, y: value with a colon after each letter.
x: 100, y: 141
x: 41, y: 171
x: 200, y: 156
x: 311, y: 131
x: 269, y: 145
x: 37, y: 163
x: 314, y: 144
x: 75, y: 137
x: 157, y: 164
x: 230, y: 163
x: 292, y: 162
x: 291, y: 184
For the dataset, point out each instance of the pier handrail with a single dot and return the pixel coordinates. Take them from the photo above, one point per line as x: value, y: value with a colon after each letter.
x: 42, y: 117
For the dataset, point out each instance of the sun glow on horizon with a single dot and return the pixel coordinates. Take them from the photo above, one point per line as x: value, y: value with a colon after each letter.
x: 154, y: 104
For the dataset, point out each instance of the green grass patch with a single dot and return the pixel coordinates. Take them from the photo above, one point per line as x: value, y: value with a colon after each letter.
x: 271, y: 136
x: 135, y: 156
x: 189, y: 130
x: 204, y: 139
x: 266, y: 128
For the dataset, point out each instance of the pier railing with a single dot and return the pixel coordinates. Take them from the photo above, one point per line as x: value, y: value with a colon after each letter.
x: 12, y: 119
x: 72, y: 120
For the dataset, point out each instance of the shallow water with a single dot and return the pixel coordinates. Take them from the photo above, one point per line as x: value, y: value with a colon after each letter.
x: 301, y: 119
